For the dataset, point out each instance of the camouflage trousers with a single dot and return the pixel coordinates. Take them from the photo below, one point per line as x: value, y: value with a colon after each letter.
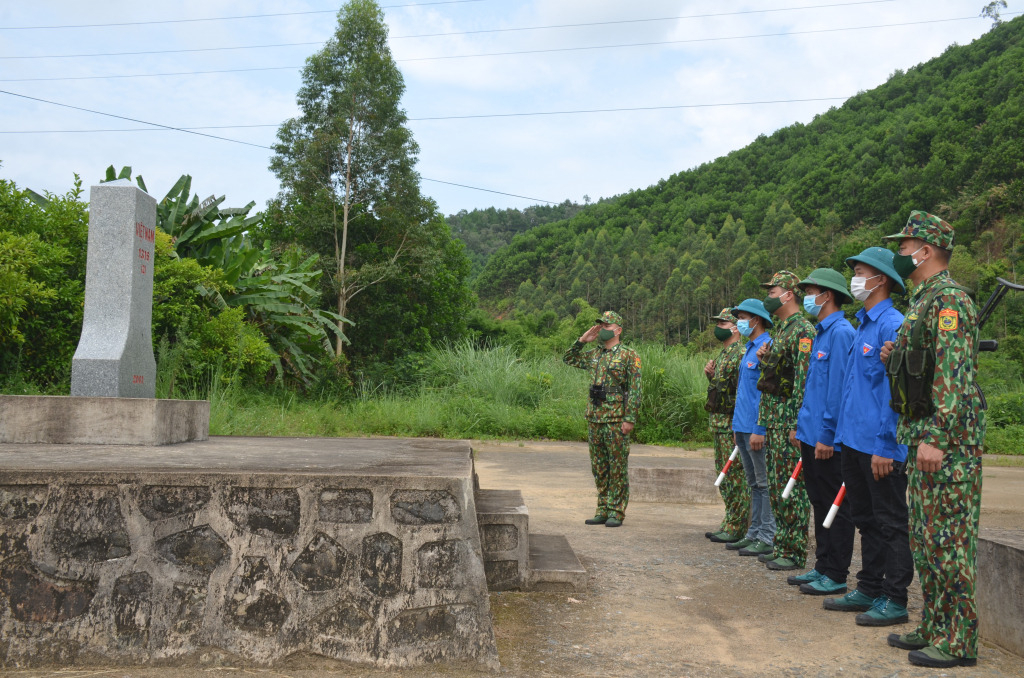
x: 609, y: 461
x: 791, y: 515
x: 734, y: 489
x: 944, y: 511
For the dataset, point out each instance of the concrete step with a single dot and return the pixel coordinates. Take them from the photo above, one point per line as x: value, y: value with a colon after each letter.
x: 504, y: 524
x: 554, y: 565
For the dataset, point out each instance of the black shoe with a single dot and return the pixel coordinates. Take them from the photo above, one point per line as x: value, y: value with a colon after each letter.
x: 723, y: 538
x: 737, y: 545
x: 934, y: 658
x: 596, y: 520
x: 907, y: 641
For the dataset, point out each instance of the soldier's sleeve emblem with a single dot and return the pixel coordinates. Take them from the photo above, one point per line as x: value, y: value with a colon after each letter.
x: 949, y: 319
x: 912, y: 316
x: 804, y: 346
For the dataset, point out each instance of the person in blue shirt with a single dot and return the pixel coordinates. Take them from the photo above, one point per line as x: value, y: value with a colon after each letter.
x: 872, y: 460
x: 825, y: 291
x: 752, y: 321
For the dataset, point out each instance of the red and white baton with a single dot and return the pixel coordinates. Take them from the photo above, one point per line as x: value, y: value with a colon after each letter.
x: 725, y: 469
x: 835, y: 507
x: 792, y: 480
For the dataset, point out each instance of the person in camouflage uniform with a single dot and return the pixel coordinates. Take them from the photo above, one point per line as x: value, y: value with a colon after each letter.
x: 781, y: 398
x: 611, y: 413
x: 723, y: 373
x: 943, y: 425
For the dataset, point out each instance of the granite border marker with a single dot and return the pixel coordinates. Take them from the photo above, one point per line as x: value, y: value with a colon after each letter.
x: 115, y: 353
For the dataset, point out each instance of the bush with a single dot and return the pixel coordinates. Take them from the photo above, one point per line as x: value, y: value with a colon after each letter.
x: 1007, y: 440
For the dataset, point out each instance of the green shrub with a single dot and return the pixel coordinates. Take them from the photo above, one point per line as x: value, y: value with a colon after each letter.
x: 1006, y: 440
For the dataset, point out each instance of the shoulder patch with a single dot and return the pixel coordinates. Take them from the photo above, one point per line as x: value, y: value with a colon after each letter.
x: 804, y: 345
x: 911, y: 316
x: 949, y: 319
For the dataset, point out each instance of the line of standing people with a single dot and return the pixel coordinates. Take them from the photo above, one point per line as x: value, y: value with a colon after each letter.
x: 888, y: 407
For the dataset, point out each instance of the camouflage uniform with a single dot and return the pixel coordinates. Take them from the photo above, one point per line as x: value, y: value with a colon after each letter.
x: 791, y: 337
x: 945, y: 505
x: 618, y: 368
x: 734, y: 489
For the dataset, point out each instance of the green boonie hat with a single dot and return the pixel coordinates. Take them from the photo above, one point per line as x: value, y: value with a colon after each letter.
x: 927, y: 227
x: 783, y: 279
x: 880, y: 259
x: 754, y: 307
x: 610, y: 317
x: 726, y: 316
x: 828, y: 279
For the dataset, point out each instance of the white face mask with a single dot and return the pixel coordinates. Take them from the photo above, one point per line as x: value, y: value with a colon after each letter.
x: 858, y: 287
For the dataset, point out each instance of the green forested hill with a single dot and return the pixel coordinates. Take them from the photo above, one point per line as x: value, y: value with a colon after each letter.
x: 487, y: 230
x: 946, y: 136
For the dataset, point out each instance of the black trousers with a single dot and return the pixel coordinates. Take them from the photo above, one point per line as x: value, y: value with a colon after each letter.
x: 833, y: 547
x: 879, y: 511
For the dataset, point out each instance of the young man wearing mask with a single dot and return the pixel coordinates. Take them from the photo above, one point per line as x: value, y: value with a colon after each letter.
x: 825, y: 292
x: 752, y: 322
x: 611, y: 413
x: 942, y: 422
x: 723, y: 374
x: 783, y: 375
x: 876, y: 482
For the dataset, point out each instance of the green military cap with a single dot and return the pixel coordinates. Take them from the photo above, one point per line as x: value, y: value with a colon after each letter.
x: 880, y: 259
x: 783, y: 279
x: 726, y: 315
x: 927, y: 227
x: 610, y: 317
x: 753, y: 307
x: 828, y: 279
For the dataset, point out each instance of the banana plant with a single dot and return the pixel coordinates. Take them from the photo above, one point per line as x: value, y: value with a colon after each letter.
x: 278, y: 292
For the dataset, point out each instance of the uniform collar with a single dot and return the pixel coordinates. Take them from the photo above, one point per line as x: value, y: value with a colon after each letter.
x: 931, y: 282
x: 830, y: 320
x: 875, y: 311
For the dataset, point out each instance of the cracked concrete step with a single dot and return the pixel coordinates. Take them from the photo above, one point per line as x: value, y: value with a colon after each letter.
x: 504, y: 538
x: 554, y: 565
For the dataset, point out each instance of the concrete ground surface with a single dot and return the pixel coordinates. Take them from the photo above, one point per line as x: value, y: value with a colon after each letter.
x: 662, y: 600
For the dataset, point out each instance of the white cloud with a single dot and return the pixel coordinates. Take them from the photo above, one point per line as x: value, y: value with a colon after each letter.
x: 552, y: 157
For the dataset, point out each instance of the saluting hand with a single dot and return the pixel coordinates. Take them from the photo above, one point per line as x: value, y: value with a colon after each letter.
x: 590, y: 334
x: 929, y: 458
x: 886, y: 349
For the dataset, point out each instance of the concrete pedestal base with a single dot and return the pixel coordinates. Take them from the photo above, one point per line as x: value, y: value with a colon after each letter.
x: 673, y: 481
x: 246, y: 550
x: 1001, y: 588
x: 70, y: 420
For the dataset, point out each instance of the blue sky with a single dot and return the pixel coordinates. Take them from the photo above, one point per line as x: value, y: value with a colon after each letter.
x: 701, y: 60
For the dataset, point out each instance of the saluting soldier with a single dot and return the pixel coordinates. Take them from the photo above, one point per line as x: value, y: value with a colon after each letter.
x: 932, y: 369
x: 723, y: 375
x: 783, y: 375
x: 611, y: 413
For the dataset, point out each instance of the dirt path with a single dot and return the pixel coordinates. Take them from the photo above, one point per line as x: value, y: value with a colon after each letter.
x: 662, y: 600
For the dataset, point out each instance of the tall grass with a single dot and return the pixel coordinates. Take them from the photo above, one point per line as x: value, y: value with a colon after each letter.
x: 464, y: 391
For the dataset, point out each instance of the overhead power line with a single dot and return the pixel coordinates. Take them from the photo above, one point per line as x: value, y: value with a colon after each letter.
x: 518, y: 52
x: 245, y: 143
x: 453, y: 117
x: 223, y: 18
x: 449, y: 34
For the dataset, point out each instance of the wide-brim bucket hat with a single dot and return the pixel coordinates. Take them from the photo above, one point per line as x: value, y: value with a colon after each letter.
x: 880, y: 259
x: 753, y: 307
x: 828, y: 279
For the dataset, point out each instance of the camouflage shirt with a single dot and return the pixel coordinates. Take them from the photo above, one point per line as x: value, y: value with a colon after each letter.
x: 794, y: 337
x: 952, y: 328
x: 727, y: 365
x: 617, y: 367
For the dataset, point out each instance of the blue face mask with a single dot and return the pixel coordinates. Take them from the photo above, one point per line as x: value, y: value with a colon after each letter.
x: 810, y: 306
x: 744, y: 327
